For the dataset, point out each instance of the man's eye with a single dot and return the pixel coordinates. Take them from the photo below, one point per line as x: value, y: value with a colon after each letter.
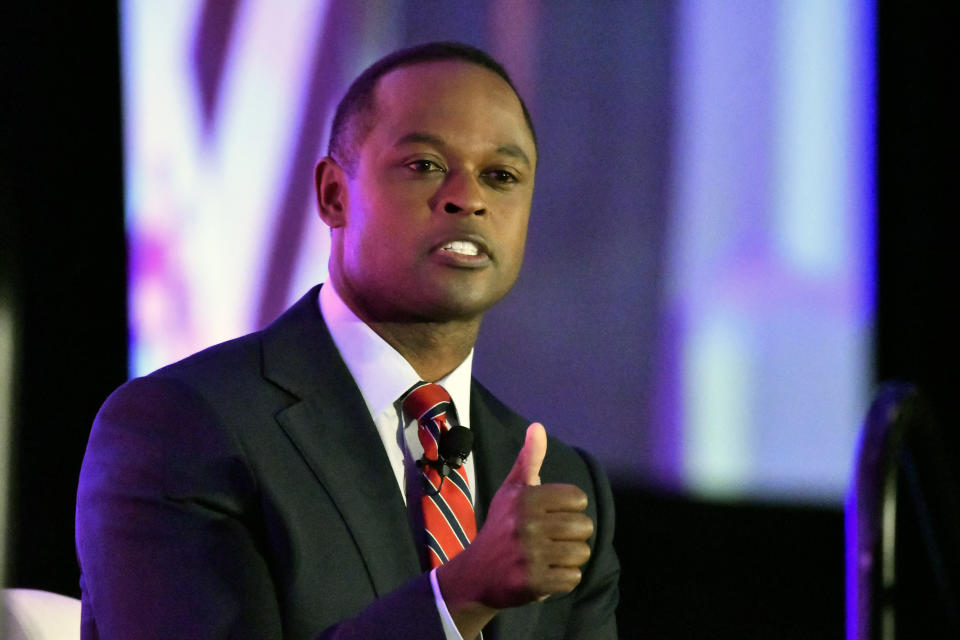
x: 424, y: 166
x: 501, y: 176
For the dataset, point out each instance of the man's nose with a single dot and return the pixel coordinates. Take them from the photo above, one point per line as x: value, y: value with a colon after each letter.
x: 462, y: 194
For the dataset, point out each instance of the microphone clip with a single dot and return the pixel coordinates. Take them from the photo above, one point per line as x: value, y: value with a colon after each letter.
x: 442, y: 467
x: 452, y: 451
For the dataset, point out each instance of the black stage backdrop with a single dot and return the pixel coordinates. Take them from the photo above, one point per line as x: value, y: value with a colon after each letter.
x: 61, y: 195
x: 691, y: 569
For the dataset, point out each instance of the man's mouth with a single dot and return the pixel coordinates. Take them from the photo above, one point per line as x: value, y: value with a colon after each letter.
x: 463, y: 247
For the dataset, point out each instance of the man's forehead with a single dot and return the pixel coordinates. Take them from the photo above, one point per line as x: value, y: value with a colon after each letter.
x: 419, y: 93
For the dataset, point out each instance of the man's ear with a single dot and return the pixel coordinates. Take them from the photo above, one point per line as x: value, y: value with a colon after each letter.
x: 332, y: 194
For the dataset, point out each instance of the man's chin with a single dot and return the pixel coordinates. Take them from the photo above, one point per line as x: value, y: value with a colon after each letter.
x: 455, y: 308
x: 432, y: 301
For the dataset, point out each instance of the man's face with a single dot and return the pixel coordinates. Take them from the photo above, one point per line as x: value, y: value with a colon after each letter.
x: 436, y: 214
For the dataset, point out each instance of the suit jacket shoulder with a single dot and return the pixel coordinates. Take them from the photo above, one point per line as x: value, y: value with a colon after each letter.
x: 230, y: 495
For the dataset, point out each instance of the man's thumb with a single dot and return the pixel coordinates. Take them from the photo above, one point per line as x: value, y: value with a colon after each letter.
x: 526, y: 469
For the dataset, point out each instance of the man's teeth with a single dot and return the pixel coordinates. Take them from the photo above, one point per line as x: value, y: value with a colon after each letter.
x: 463, y: 247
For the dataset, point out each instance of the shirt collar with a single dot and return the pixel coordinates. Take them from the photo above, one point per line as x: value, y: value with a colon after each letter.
x: 381, y: 373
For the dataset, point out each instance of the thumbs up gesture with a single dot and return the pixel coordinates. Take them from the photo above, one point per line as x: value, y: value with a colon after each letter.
x: 531, y: 546
x: 526, y: 468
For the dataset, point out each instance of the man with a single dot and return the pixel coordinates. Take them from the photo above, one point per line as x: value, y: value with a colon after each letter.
x: 266, y: 487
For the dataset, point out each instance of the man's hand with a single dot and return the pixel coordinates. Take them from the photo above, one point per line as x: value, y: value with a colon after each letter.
x: 531, y: 546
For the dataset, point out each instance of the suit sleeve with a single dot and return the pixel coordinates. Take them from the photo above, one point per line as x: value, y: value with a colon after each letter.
x: 169, y: 540
x: 593, y: 616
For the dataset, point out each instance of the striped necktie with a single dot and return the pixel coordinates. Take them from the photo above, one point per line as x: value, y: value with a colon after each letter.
x: 447, y: 506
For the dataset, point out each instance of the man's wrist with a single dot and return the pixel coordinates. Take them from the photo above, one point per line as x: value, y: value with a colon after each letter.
x: 450, y: 630
x: 468, y: 614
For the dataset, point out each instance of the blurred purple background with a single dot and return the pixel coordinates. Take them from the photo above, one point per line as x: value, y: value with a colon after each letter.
x: 696, y: 304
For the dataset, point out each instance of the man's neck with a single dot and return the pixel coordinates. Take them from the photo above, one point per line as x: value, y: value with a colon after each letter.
x: 433, y: 349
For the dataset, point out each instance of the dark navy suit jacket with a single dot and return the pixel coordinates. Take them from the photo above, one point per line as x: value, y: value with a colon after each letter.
x: 242, y: 493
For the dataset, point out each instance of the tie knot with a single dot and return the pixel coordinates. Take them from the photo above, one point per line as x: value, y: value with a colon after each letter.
x: 426, y: 401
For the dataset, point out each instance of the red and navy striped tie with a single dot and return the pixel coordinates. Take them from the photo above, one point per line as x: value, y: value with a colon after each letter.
x: 447, y: 513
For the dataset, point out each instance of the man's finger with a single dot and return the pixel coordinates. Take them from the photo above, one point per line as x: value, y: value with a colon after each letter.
x: 556, y: 496
x: 565, y: 526
x: 556, y: 580
x: 526, y: 469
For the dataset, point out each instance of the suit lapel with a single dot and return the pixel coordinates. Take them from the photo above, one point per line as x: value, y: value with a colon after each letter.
x: 495, y: 449
x: 332, y: 429
x: 496, y: 446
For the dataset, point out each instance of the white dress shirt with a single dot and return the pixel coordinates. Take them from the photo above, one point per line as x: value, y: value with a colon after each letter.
x: 383, y: 377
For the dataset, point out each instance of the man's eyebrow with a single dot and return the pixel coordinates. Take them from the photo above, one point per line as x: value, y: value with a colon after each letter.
x: 514, y: 151
x: 422, y: 137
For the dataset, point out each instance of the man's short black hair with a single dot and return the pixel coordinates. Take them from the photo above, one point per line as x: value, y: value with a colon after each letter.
x: 353, y: 119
